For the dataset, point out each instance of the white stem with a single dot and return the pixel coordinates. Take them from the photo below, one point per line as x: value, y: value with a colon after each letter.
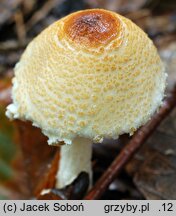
x: 74, y: 159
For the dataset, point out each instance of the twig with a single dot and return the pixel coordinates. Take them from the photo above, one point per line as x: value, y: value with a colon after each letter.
x: 20, y: 27
x: 125, y: 155
x: 12, y: 45
x: 7, y: 10
x: 42, y: 13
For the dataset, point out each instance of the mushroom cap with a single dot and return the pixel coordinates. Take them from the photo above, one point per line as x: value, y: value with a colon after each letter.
x: 92, y: 74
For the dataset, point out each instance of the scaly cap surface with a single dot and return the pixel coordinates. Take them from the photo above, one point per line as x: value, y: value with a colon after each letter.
x: 92, y: 74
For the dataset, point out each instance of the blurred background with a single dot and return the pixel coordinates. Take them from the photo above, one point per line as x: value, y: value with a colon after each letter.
x: 151, y: 173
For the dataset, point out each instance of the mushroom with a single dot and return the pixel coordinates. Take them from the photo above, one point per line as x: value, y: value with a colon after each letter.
x: 91, y: 75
